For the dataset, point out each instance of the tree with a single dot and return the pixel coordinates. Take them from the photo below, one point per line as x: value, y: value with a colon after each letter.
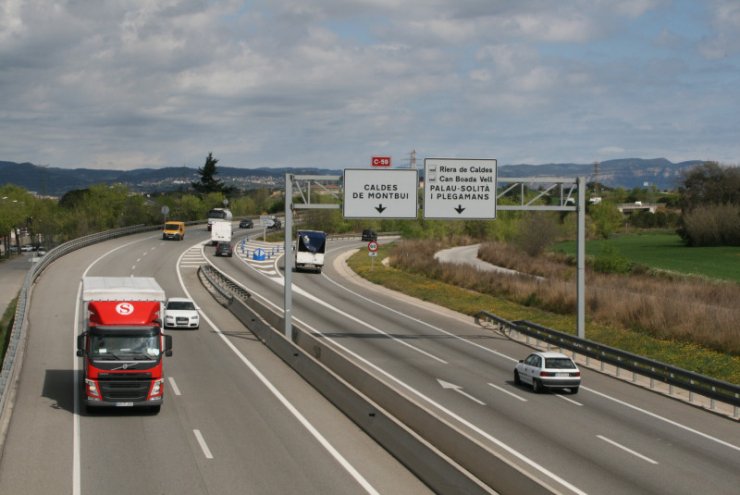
x: 537, y: 232
x: 606, y: 219
x: 208, y: 182
x: 709, y: 196
x: 709, y: 184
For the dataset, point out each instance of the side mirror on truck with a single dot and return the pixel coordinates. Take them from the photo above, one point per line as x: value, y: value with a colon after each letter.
x: 168, y: 345
x: 81, y: 344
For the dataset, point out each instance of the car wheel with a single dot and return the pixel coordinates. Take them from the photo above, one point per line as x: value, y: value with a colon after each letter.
x: 517, y: 380
x: 536, y: 386
x: 164, y: 237
x: 573, y: 390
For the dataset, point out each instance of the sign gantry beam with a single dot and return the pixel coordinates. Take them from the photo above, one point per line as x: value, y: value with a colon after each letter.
x: 476, y: 198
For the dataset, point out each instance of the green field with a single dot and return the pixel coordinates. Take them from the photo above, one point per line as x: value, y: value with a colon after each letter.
x: 665, y: 250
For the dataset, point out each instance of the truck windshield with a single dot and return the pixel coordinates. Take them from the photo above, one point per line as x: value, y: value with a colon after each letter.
x: 217, y: 214
x: 124, y: 346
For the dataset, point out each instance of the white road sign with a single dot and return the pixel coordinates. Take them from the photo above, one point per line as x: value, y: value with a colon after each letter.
x: 380, y: 193
x: 460, y: 189
x: 267, y: 221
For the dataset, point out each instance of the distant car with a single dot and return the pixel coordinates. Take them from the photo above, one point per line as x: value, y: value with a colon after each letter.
x: 246, y: 224
x: 369, y: 235
x: 181, y: 313
x: 224, y: 249
x: 41, y: 251
x: 276, y: 224
x: 13, y: 248
x: 548, y: 370
x: 27, y: 247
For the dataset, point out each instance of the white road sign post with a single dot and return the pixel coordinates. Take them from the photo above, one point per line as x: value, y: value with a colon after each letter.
x: 460, y: 189
x: 381, y: 193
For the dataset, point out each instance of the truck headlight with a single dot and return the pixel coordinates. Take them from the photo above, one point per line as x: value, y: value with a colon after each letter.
x: 92, y: 388
x: 156, y: 388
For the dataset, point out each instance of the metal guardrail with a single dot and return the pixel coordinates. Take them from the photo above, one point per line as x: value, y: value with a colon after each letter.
x: 711, y: 388
x: 358, y: 236
x: 225, y: 286
x: 10, y: 364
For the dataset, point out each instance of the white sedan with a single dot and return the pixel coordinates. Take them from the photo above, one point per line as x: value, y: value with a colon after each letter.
x: 551, y: 370
x: 181, y: 312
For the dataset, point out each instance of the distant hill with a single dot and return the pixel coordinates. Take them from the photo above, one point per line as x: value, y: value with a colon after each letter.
x: 626, y: 173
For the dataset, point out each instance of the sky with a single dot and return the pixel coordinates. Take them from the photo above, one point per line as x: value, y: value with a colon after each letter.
x: 128, y: 84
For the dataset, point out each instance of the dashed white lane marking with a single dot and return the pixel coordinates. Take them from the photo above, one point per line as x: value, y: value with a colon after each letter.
x: 636, y: 454
x: 203, y: 445
x: 174, y: 386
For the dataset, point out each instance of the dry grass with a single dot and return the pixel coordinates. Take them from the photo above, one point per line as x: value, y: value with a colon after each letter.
x: 671, y: 308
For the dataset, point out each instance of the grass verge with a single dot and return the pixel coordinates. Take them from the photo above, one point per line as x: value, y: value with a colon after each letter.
x: 665, y: 250
x: 684, y: 355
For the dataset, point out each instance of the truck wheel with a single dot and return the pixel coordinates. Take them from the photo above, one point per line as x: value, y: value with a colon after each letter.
x: 155, y: 409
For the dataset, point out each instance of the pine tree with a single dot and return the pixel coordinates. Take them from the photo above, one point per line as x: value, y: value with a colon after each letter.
x: 208, y: 182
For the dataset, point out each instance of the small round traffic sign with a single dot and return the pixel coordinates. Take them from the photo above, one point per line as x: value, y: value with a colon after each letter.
x: 372, y: 246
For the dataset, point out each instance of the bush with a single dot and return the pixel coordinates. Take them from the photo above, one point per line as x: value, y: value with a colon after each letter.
x: 609, y: 261
x: 711, y: 225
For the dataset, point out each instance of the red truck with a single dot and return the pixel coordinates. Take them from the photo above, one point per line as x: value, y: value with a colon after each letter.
x: 122, y: 343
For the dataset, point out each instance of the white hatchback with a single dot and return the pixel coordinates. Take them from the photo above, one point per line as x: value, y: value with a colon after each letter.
x: 181, y: 312
x: 551, y: 370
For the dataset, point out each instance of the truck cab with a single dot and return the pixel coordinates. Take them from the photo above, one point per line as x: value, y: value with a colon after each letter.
x: 122, y: 343
x: 310, y: 251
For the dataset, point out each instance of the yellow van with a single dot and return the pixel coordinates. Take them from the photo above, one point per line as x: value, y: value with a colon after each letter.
x: 174, y: 230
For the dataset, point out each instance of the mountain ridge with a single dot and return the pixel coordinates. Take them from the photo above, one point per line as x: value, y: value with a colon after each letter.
x: 627, y: 173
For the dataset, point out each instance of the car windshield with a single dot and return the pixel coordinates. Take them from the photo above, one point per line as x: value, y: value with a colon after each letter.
x: 559, y: 363
x: 180, y: 305
x: 172, y: 226
x: 124, y: 346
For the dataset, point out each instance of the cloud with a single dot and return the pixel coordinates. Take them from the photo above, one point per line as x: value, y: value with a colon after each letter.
x: 145, y: 83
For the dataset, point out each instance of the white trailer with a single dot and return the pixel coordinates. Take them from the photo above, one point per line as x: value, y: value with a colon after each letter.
x: 220, y: 232
x: 122, y: 289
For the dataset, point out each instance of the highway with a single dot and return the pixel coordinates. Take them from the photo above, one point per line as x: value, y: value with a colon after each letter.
x: 236, y: 418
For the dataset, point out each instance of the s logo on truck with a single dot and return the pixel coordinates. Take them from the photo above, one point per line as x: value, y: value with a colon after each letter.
x: 125, y: 309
